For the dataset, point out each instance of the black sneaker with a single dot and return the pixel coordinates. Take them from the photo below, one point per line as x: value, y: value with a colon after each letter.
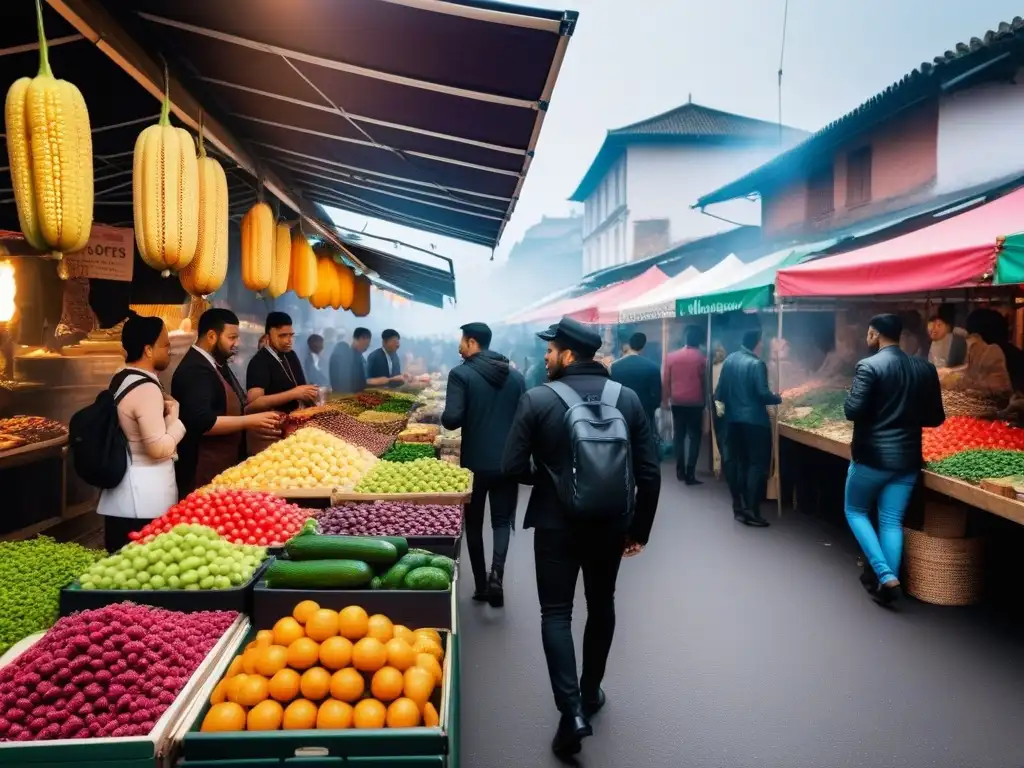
x: 868, y: 579
x: 480, y: 595
x: 495, y: 591
x: 572, y: 729
x: 886, y: 595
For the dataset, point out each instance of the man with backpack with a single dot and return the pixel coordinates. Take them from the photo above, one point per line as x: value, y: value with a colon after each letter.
x: 596, y: 483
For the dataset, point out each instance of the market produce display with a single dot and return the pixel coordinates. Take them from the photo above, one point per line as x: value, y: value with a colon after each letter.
x: 110, y: 672
x: 396, y: 405
x: 391, y: 518
x: 977, y: 465
x: 209, y: 267
x: 961, y: 433
x: 419, y: 476
x: 32, y: 573
x: 419, y: 569
x: 31, y: 429
x: 241, y: 517
x: 815, y: 408
x: 348, y: 428
x: 381, y: 417
x: 258, y: 232
x: 330, y: 670
x: 188, y: 557
x: 409, y: 452
x: 309, y: 458
x: 419, y: 433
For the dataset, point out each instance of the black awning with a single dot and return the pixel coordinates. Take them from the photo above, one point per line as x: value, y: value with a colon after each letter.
x: 423, y: 283
x: 421, y: 112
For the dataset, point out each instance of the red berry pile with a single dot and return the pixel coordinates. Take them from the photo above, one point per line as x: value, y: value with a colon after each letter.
x: 962, y: 433
x: 242, y: 517
x: 109, y: 672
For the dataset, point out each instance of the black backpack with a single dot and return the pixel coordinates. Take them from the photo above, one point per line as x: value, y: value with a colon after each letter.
x: 599, y: 486
x: 97, y: 443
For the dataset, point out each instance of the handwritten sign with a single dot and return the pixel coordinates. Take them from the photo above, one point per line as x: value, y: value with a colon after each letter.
x: 108, y: 256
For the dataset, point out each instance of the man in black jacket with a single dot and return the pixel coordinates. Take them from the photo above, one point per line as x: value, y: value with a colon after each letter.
x: 347, y: 366
x: 383, y: 365
x: 563, y: 546
x: 744, y: 394
x: 482, y: 397
x: 892, y: 397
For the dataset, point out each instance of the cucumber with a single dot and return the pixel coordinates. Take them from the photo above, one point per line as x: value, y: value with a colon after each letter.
x: 400, y: 542
x: 446, y: 564
x: 318, y: 574
x: 376, y: 583
x: 414, y: 560
x: 418, y: 551
x: 395, y: 577
x: 427, y: 577
x: 367, y: 549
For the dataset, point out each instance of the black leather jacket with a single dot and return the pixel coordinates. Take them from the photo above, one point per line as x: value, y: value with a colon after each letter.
x: 743, y: 389
x: 893, y: 396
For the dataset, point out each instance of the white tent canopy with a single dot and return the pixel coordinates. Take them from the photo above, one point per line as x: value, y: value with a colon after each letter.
x: 660, y: 302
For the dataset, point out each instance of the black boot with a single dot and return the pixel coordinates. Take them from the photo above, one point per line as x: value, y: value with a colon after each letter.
x: 572, y: 729
x: 495, y: 592
x: 593, y: 702
x: 754, y: 519
x: 691, y: 479
x: 868, y: 579
x: 480, y: 594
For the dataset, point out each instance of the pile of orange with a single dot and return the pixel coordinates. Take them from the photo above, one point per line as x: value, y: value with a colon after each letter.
x: 327, y: 669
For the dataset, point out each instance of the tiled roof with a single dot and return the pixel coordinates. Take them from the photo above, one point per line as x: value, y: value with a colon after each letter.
x: 695, y: 121
x: 922, y: 82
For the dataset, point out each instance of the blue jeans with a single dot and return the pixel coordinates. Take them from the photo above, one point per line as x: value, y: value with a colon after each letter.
x: 891, y: 491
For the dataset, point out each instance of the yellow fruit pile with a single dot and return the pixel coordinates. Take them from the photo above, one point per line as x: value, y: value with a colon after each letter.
x: 308, y: 458
x: 327, y: 669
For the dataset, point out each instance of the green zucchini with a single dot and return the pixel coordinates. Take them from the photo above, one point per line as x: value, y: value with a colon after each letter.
x: 415, y: 560
x: 367, y: 549
x: 446, y: 564
x: 400, y: 542
x: 318, y: 574
x: 427, y: 577
x: 395, y: 576
x: 376, y: 583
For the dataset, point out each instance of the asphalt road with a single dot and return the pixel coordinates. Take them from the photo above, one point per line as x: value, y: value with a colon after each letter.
x: 746, y: 648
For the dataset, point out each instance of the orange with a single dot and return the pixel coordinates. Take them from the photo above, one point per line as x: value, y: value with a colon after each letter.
x: 284, y: 686
x: 265, y: 716
x: 315, y: 683
x: 369, y: 655
x: 219, y: 694
x: 387, y: 684
x: 253, y: 690
x: 249, y: 660
x: 271, y: 660
x: 369, y: 713
x: 322, y: 624
x: 226, y: 716
x: 401, y: 656
x: 430, y: 634
x: 334, y: 715
x: 419, y: 684
x: 347, y: 685
x: 353, y: 623
x: 402, y: 632
x: 335, y: 652
x: 430, y: 718
x: 380, y: 627
x: 304, y: 610
x: 403, y: 713
x: 234, y: 667
x: 232, y: 686
x: 287, y: 631
x: 299, y: 715
x: 264, y: 638
x: 426, y: 645
x: 430, y: 664
x: 303, y: 653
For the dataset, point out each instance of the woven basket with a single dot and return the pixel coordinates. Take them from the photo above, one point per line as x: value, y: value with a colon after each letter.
x: 944, y: 571
x: 956, y: 403
x: 945, y: 521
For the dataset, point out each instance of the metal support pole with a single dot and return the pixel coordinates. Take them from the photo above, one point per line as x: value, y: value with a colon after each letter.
x: 775, y: 441
x: 711, y: 405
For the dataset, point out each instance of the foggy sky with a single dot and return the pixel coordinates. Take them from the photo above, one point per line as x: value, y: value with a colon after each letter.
x: 631, y: 60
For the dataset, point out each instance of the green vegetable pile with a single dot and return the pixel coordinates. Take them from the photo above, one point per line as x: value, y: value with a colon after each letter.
x: 977, y: 465
x: 394, y: 406
x: 827, y: 405
x: 419, y: 476
x: 409, y: 452
x: 32, y: 574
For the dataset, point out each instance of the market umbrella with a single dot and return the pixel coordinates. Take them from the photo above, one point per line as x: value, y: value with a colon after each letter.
x: 660, y: 303
x: 602, y: 307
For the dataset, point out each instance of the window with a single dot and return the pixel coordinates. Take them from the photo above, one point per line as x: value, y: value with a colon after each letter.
x: 820, y: 193
x: 858, y: 176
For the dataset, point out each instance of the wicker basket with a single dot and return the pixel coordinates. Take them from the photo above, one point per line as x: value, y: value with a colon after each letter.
x: 956, y: 403
x: 943, y: 520
x: 944, y: 571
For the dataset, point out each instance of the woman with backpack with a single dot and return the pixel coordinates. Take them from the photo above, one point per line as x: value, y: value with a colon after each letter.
x: 148, y: 416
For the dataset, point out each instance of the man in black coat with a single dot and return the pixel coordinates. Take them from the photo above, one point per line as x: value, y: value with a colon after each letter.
x: 383, y: 366
x: 564, y: 546
x: 347, y: 366
x: 643, y: 376
x: 482, y: 397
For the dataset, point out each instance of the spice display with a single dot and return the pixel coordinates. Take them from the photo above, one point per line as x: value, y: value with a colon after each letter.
x: 409, y: 452
x: 802, y: 390
x: 32, y: 573
x: 419, y: 476
x: 961, y: 433
x: 369, y: 399
x: 349, y: 429
x: 391, y: 518
x: 419, y: 433
x: 110, y: 672
x: 394, y: 406
x: 380, y: 417
x: 310, y: 458
x: 980, y: 464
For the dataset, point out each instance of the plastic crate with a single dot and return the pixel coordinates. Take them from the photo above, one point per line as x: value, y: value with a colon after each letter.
x: 74, y: 598
x: 384, y: 748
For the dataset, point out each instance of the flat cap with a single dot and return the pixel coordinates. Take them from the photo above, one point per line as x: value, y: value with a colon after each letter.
x: 574, y: 334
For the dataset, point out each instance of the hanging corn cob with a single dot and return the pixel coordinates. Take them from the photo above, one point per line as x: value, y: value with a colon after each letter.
x: 346, y: 287
x: 258, y: 233
x: 207, y: 270
x: 302, y: 277
x: 326, y: 277
x: 49, y: 150
x: 165, y: 193
x: 282, y: 260
x: 361, y: 297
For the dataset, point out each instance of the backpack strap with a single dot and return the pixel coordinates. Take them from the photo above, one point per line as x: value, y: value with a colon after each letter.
x: 610, y: 393
x: 125, y: 386
x: 565, y: 393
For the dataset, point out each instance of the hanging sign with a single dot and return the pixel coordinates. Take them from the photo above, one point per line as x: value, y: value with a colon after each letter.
x: 109, y: 255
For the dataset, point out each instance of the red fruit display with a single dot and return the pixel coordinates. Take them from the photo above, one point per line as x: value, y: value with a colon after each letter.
x: 962, y: 433
x: 242, y: 517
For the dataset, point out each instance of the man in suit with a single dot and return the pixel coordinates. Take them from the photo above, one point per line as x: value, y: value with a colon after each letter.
x: 315, y: 374
x: 347, y: 365
x: 641, y: 375
x: 384, y: 363
x: 212, y: 405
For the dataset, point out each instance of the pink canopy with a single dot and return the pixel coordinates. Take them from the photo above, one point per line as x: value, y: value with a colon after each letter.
x: 602, y: 308
x: 558, y: 309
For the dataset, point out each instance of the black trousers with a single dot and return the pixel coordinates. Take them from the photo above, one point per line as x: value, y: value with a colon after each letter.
x: 728, y: 465
x: 116, y: 530
x: 750, y: 449
x: 687, y: 426
x: 504, y: 495
x: 560, y: 555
